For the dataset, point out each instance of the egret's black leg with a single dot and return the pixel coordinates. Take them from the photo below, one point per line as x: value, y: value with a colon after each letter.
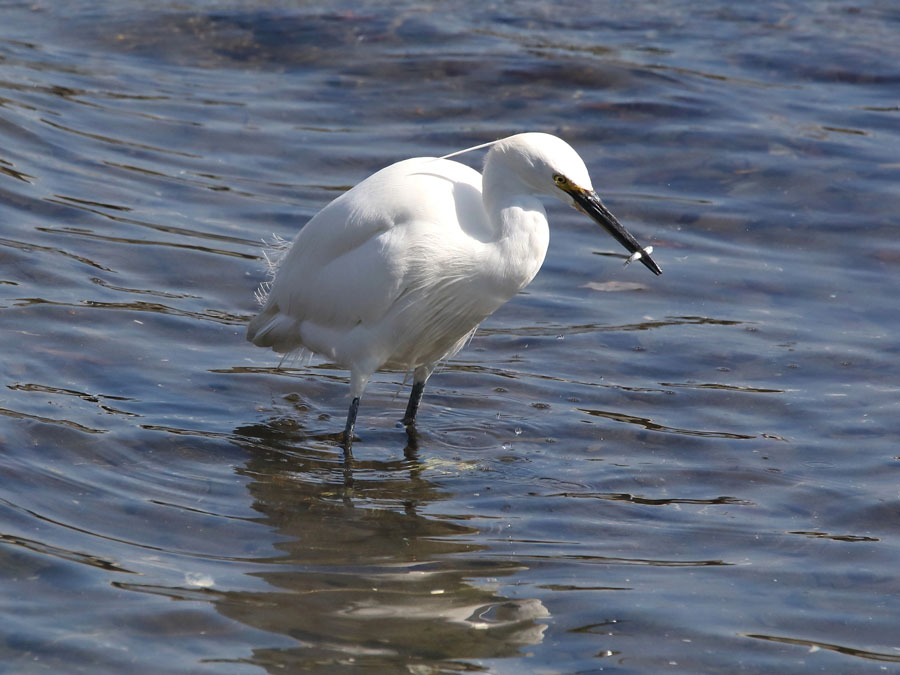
x: 412, y: 407
x: 351, y: 422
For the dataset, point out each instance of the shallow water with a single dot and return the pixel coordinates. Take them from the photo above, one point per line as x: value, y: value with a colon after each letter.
x: 691, y: 473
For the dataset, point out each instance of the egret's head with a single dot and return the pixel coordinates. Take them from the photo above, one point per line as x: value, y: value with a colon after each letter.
x: 539, y: 160
x: 549, y: 165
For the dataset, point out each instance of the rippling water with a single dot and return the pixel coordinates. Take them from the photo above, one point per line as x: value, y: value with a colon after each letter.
x: 690, y: 473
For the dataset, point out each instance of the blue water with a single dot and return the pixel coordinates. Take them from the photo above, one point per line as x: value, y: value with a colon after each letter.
x: 623, y: 473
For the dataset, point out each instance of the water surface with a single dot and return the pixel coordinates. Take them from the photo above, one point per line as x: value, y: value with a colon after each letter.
x: 691, y: 473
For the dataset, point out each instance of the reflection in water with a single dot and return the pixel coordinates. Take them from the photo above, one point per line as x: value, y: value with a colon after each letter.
x: 364, y: 574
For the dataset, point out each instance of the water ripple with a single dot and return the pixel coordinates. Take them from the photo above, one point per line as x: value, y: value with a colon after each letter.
x: 650, y: 425
x: 815, y: 645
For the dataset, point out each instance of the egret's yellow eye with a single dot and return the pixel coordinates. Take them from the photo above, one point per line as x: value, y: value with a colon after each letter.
x: 559, y: 179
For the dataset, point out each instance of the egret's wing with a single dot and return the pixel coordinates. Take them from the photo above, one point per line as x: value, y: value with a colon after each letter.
x: 352, y: 261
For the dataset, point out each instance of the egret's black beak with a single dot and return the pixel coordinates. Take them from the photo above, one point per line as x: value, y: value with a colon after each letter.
x: 589, y: 202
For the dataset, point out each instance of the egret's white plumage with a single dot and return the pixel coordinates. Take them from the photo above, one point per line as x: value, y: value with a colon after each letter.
x: 398, y: 272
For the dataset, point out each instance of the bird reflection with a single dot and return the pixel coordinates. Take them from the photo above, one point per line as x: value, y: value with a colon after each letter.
x: 368, y: 569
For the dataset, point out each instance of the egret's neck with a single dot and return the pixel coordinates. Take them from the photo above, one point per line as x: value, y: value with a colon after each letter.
x: 507, y: 197
x: 520, y: 226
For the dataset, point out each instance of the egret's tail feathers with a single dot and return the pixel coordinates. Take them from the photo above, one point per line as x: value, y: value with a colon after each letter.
x: 271, y: 328
x: 273, y: 253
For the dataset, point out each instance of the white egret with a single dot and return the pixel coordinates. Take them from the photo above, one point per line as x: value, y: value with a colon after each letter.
x: 398, y: 272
